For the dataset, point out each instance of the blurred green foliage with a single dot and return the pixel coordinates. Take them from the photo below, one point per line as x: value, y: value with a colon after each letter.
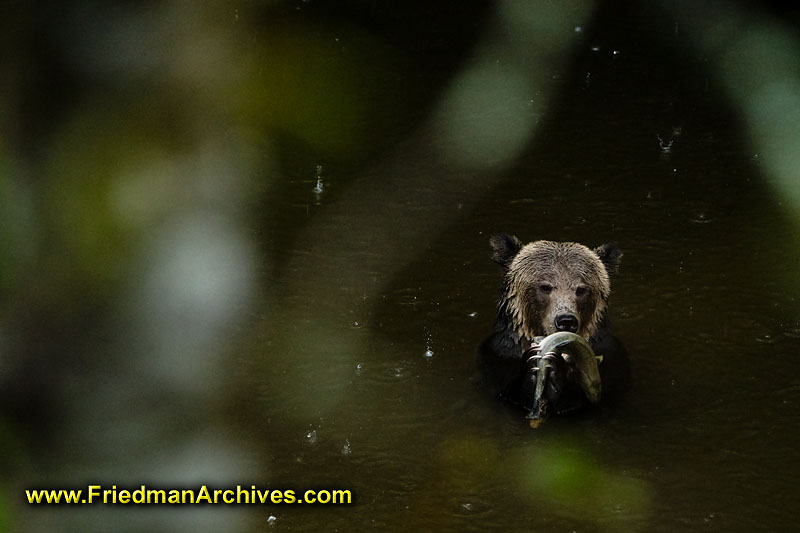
x: 571, y: 479
x: 119, y: 120
x: 324, y: 86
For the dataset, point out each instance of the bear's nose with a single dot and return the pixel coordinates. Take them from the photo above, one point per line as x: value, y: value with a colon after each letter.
x: 567, y: 323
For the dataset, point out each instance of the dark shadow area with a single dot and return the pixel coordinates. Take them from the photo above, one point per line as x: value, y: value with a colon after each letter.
x: 248, y: 243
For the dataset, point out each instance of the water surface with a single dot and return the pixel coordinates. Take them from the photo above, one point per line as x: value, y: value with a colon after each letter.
x: 379, y: 356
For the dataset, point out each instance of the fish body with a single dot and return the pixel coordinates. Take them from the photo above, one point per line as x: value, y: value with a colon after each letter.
x: 562, y: 355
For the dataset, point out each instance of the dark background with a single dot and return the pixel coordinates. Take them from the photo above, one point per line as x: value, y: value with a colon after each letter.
x: 248, y: 243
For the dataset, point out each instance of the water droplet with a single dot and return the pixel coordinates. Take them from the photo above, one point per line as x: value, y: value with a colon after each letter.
x: 765, y: 339
x: 359, y: 367
x: 578, y: 29
x: 271, y: 519
x: 318, y: 187
x: 665, y: 145
x: 429, y: 352
x: 473, y: 314
x: 311, y: 436
x: 346, y: 449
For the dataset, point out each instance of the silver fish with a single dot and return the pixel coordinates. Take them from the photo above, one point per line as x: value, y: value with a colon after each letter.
x: 578, y: 356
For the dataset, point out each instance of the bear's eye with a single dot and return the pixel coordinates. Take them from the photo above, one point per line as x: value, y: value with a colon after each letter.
x: 546, y: 288
x: 581, y: 291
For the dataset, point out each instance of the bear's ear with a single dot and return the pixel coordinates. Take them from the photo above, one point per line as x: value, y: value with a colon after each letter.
x: 504, y: 248
x: 610, y: 255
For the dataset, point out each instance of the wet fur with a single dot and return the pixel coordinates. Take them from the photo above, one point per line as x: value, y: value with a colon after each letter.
x: 525, y: 311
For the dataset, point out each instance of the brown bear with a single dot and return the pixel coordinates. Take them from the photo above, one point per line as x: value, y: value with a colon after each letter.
x: 550, y: 287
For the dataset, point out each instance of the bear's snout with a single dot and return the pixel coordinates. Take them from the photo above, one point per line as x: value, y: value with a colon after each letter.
x: 567, y: 322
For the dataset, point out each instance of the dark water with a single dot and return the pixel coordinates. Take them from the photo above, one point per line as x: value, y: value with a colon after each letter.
x: 379, y: 354
x: 354, y: 365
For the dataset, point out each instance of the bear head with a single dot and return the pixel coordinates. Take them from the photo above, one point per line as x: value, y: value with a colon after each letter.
x: 553, y: 286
